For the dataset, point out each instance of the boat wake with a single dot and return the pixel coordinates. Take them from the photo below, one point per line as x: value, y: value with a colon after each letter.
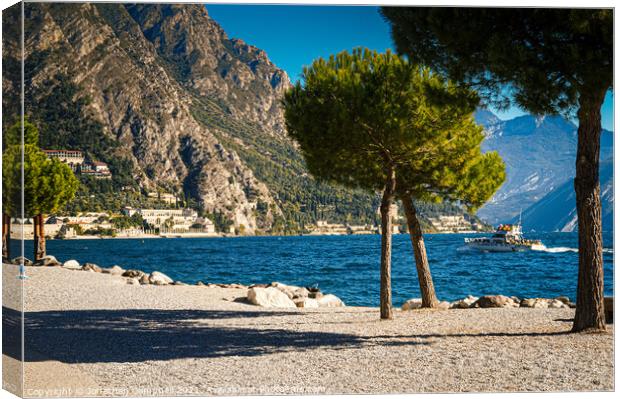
x: 556, y: 250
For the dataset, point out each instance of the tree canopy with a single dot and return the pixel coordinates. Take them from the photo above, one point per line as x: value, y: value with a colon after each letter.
x: 540, y: 59
x: 548, y: 61
x: 359, y: 113
x: 48, y: 183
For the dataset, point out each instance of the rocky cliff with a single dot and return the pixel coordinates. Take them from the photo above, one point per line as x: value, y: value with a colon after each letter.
x: 143, y: 69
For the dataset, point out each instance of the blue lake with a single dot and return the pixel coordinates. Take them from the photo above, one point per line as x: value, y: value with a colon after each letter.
x: 347, y: 266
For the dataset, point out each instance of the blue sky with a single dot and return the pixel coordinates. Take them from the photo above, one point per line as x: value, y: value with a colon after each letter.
x: 293, y: 36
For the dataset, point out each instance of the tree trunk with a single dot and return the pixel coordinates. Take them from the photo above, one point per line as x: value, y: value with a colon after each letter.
x: 427, y: 289
x: 6, y: 237
x: 386, y: 245
x: 590, y: 314
x: 39, y: 237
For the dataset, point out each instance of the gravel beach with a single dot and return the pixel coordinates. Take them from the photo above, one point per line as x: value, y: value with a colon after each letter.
x: 102, y: 337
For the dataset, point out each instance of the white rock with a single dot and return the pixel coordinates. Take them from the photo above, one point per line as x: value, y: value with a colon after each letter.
x: 414, y: 303
x: 306, y: 303
x: 133, y: 281
x: 72, y: 264
x: 159, y: 278
x: 48, y: 260
x: 443, y: 305
x: 289, y: 290
x: 115, y: 270
x: 330, y: 301
x: 270, y: 297
x: 557, y: 304
x: 464, y: 303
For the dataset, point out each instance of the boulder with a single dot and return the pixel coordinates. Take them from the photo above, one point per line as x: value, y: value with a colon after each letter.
x: 48, y: 260
x: 443, y: 305
x: 330, y: 301
x: 608, y: 304
x: 178, y: 283
x: 115, y: 270
x: 495, y: 301
x: 306, y: 303
x: 528, y: 302
x: 564, y: 299
x: 269, y: 297
x: 315, y: 294
x: 133, y: 273
x: 200, y: 283
x: 237, y: 286
x: 464, y: 303
x: 91, y: 267
x: 556, y: 304
x: 145, y: 279
x: 301, y: 293
x: 289, y: 290
x: 72, y: 264
x: 20, y: 259
x: 158, y: 278
x: 543, y: 303
x: 133, y: 281
x: 414, y: 303
x: 259, y: 286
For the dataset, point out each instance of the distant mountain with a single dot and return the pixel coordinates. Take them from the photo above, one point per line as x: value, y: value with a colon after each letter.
x: 557, y: 212
x: 539, y: 153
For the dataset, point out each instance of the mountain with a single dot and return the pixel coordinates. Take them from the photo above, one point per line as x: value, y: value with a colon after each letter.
x: 556, y: 211
x: 539, y: 153
x: 171, y: 103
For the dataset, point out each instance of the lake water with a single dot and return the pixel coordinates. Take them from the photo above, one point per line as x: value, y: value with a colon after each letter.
x: 347, y: 266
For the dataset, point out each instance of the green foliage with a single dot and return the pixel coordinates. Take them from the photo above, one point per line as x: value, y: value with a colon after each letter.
x: 124, y: 222
x: 48, y: 183
x: 276, y: 162
x: 359, y: 115
x: 13, y: 135
x: 542, y: 58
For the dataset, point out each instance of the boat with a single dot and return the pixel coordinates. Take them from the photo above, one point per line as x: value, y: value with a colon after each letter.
x: 507, y: 238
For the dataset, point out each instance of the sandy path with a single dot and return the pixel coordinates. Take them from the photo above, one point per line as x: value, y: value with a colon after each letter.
x: 175, y: 340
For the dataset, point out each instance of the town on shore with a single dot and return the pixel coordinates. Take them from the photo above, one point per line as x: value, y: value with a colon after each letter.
x: 166, y: 215
x: 185, y: 222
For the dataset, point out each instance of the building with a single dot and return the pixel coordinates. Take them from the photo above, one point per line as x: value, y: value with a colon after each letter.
x: 164, y: 197
x: 206, y: 225
x: 325, y: 228
x: 75, y: 159
x: 451, y: 224
x: 172, y: 219
x: 99, y: 170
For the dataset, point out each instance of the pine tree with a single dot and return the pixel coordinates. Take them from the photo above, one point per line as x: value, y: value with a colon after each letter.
x: 548, y: 61
x: 377, y: 122
x: 48, y: 184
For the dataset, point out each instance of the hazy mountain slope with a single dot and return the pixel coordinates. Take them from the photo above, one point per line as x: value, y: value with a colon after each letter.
x: 539, y: 153
x: 557, y: 212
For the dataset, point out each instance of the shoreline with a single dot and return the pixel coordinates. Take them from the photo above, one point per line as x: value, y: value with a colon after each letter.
x: 148, y: 336
x: 139, y: 277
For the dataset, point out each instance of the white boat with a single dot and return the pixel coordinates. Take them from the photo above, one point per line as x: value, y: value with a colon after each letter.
x: 507, y: 238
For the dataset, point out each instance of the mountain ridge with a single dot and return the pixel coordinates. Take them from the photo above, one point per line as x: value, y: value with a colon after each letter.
x: 539, y: 153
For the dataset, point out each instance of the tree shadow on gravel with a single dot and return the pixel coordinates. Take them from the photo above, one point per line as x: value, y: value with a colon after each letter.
x: 92, y: 336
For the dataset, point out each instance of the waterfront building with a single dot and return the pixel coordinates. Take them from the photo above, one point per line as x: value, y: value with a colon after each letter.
x: 73, y: 158
x: 172, y: 219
